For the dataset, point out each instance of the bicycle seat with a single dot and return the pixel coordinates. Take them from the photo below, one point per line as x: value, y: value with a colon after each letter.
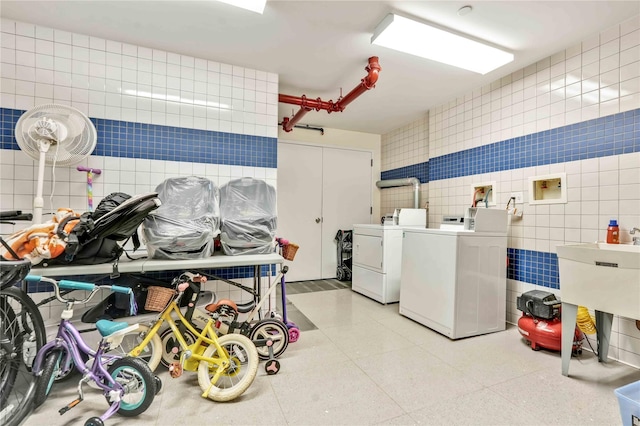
x: 106, y: 327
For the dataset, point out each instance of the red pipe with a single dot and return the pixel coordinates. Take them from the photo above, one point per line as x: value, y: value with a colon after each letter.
x: 306, y: 105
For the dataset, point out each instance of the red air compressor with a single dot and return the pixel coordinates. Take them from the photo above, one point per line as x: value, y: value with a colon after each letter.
x: 540, y: 322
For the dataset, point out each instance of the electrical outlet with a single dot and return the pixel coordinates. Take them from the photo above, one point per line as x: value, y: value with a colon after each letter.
x: 519, y: 196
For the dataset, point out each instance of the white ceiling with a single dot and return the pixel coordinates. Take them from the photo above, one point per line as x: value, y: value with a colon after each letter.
x: 320, y: 47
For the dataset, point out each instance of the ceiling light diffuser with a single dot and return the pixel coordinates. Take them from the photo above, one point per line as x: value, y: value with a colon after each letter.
x: 252, y: 5
x: 416, y: 38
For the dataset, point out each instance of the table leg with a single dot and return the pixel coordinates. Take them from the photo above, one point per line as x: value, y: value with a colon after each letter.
x: 604, y: 321
x: 569, y: 313
x: 257, y: 286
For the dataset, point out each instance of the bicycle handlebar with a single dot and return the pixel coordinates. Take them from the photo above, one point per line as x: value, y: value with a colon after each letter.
x: 76, y: 285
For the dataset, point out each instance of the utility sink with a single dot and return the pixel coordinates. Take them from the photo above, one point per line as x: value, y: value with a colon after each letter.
x: 602, y: 277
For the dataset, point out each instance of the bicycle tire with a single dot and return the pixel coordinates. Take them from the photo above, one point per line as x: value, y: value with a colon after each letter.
x: 270, y: 329
x: 10, y: 351
x: 139, y: 383
x: 47, y: 378
x: 31, y: 323
x: 29, y: 334
x: 151, y: 354
x: 238, y: 376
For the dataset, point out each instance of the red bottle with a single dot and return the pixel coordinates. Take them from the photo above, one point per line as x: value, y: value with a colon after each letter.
x: 613, y: 232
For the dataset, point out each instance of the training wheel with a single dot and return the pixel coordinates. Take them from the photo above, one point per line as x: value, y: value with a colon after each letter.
x: 272, y: 367
x: 94, y: 421
x: 294, y: 334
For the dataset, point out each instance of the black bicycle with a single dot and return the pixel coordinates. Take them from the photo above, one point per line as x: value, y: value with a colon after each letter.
x: 22, y: 334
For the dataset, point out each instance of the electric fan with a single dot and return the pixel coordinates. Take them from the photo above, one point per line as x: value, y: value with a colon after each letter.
x: 54, y: 134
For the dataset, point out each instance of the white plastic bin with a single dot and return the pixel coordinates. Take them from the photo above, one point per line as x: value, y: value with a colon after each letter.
x: 629, y: 400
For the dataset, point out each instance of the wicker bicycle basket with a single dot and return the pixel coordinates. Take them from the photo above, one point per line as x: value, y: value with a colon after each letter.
x: 158, y: 298
x: 289, y: 251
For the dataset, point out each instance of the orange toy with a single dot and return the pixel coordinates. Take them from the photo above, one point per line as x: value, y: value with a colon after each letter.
x: 40, y: 241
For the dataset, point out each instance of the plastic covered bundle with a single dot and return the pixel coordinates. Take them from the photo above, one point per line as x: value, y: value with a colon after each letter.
x: 249, y: 220
x: 186, y: 224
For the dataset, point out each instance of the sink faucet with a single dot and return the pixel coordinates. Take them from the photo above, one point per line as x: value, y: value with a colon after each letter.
x: 636, y: 240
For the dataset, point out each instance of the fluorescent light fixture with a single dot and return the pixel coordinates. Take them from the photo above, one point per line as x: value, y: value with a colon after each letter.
x: 252, y: 5
x: 415, y: 38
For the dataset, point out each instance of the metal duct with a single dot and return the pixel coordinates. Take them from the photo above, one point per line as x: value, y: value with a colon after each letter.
x: 391, y: 183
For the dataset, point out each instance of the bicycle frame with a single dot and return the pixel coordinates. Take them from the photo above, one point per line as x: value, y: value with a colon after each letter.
x: 71, y: 343
x: 207, y: 336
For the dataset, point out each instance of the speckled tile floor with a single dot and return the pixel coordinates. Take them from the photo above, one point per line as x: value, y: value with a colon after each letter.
x: 362, y: 363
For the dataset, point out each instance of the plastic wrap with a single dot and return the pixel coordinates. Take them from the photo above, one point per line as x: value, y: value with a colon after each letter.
x: 187, y: 222
x: 249, y: 220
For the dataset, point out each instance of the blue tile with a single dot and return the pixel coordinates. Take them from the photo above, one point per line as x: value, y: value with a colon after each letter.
x: 138, y: 140
x: 612, y: 135
x: 533, y: 267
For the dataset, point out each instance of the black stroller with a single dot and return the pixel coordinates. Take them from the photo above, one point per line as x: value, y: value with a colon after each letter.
x: 344, y: 244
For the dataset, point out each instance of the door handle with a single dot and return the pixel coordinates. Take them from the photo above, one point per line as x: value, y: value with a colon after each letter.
x: 318, y: 220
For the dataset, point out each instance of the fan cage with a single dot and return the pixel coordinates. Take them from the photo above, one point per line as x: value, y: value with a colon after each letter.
x: 80, y: 140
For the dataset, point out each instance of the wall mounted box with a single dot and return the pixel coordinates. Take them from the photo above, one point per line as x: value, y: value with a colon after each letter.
x: 548, y: 189
x: 485, y: 187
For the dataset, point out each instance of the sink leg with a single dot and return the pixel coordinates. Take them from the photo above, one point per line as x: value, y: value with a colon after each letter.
x: 569, y: 313
x: 603, y: 324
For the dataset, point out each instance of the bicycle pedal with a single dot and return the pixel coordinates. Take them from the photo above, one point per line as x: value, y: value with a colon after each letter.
x: 70, y: 406
x: 175, y: 369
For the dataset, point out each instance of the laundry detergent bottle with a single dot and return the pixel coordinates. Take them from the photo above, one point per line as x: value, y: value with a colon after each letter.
x: 613, y: 232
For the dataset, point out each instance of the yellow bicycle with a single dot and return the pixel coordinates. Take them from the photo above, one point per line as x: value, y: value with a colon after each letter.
x: 226, y: 365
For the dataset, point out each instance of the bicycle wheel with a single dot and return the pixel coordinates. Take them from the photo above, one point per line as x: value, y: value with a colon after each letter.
x: 47, y: 378
x: 151, y: 354
x: 29, y: 322
x: 243, y: 360
x: 138, y: 382
x: 10, y: 350
x: 23, y: 334
x: 273, y: 330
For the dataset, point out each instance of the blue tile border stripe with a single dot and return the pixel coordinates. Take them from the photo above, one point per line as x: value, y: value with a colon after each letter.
x: 611, y: 135
x: 420, y: 171
x: 151, y: 141
x: 534, y: 267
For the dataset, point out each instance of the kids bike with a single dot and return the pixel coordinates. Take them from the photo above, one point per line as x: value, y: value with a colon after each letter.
x: 226, y: 365
x: 270, y: 335
x: 127, y: 383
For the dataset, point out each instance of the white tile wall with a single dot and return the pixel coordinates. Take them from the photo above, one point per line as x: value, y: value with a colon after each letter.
x: 596, y: 78
x: 402, y: 147
x: 113, y: 80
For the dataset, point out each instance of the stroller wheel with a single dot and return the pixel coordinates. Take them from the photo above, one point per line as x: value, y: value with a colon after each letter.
x: 339, y: 274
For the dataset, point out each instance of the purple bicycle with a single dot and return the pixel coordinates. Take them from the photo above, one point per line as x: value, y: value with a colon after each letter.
x: 127, y: 383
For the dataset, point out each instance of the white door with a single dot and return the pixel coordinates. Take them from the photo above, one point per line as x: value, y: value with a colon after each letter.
x: 300, y: 206
x: 320, y: 190
x: 346, y: 199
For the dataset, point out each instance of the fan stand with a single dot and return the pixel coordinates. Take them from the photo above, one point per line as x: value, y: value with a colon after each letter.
x: 38, y: 202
